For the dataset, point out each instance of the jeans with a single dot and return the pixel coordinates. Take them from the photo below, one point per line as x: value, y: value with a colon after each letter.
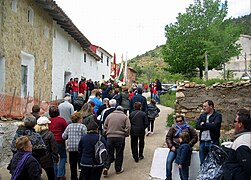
x: 169, y: 163
x: 158, y: 97
x: 204, y: 149
x: 115, y: 144
x: 150, y: 125
x: 60, y: 167
x: 137, y: 146
x: 184, y: 172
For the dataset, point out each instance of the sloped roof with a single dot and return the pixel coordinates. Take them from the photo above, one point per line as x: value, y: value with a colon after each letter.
x: 94, y: 49
x: 64, y: 21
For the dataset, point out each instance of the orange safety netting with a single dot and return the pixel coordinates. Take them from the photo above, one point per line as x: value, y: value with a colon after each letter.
x: 17, y: 107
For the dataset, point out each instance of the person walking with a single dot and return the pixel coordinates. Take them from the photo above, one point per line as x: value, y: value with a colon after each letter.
x: 209, y: 124
x: 57, y: 127
x: 116, y: 128
x: 139, y: 123
x: 237, y: 165
x: 153, y: 112
x: 90, y: 168
x: 51, y: 155
x: 138, y: 98
x: 66, y: 109
x: 23, y: 164
x: 158, y: 89
x: 172, y: 141
x: 73, y: 133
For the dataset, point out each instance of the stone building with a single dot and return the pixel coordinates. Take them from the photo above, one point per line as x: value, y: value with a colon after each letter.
x: 238, y: 65
x: 41, y: 49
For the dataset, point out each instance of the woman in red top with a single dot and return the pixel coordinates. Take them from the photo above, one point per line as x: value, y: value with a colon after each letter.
x: 57, y: 127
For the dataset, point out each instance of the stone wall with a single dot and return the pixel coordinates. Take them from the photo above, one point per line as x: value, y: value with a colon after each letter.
x: 7, y: 132
x: 18, y: 35
x: 227, y: 98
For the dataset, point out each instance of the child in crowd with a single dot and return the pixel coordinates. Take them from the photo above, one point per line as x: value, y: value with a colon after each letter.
x: 183, y: 158
x: 73, y: 133
x: 152, y: 113
x: 23, y: 164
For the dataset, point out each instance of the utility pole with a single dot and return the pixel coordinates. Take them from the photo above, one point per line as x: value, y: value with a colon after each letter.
x: 206, y: 66
x: 125, y: 74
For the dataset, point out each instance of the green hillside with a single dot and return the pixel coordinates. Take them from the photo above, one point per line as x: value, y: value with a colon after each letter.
x: 151, y: 65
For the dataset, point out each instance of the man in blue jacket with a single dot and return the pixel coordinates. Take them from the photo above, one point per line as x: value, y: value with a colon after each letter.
x: 209, y: 124
x: 138, y: 98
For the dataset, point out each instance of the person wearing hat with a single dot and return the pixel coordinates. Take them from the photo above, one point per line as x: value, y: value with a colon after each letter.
x: 51, y: 156
x: 26, y: 128
x: 90, y: 169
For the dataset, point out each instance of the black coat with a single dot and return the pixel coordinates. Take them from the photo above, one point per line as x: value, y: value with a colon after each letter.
x: 139, y: 123
x: 184, y: 153
x: 31, y: 171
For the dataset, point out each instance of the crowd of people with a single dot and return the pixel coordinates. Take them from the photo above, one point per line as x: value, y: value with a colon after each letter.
x: 113, y: 114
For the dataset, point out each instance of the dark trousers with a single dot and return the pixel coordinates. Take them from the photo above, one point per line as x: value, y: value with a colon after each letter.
x: 90, y: 173
x: 73, y: 159
x: 115, y: 144
x: 137, y: 146
x: 50, y: 173
x: 184, y: 172
x: 150, y: 125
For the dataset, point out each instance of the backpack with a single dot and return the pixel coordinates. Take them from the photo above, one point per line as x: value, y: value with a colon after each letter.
x: 100, y: 151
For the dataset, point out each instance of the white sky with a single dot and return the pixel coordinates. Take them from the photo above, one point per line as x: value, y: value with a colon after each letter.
x: 131, y: 27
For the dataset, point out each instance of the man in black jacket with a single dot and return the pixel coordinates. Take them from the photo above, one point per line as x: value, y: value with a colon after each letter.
x: 238, y: 164
x: 209, y: 124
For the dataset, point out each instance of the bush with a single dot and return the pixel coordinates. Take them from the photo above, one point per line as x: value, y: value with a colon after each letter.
x: 169, y: 120
x: 168, y: 100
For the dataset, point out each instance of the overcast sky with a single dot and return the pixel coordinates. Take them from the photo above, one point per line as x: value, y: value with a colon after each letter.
x: 131, y: 27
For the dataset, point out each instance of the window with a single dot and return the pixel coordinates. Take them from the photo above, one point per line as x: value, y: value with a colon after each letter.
x: 84, y: 58
x: 30, y: 15
x: 46, y: 32
x: 107, y: 61
x: 14, y: 5
x: 102, y: 57
x: 103, y: 76
x: 91, y: 63
x: 69, y: 46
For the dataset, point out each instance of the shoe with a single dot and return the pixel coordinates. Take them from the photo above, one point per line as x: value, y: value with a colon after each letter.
x: 119, y: 172
x: 152, y: 133
x: 141, y: 157
x: 136, y: 160
x: 105, y: 172
x: 148, y: 133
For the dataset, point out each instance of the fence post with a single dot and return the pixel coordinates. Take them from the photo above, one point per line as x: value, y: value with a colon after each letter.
x: 12, y: 101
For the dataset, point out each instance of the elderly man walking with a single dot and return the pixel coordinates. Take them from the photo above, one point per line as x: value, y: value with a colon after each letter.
x: 117, y: 128
x: 66, y: 109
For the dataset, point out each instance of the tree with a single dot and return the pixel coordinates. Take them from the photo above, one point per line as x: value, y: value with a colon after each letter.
x: 202, y: 28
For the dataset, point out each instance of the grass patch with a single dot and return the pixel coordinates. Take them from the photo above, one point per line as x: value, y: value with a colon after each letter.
x: 169, y: 119
x: 168, y: 100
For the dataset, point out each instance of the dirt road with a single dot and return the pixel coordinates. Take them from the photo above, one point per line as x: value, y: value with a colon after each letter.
x: 132, y: 170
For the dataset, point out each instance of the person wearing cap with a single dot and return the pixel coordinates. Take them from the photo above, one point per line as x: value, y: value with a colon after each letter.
x: 51, y: 155
x: 57, y: 127
x: 66, y: 109
x: 27, y: 128
x: 90, y: 169
x: 73, y: 133
x: 116, y: 127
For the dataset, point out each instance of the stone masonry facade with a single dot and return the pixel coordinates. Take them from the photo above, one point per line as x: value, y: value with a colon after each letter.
x: 20, y: 35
